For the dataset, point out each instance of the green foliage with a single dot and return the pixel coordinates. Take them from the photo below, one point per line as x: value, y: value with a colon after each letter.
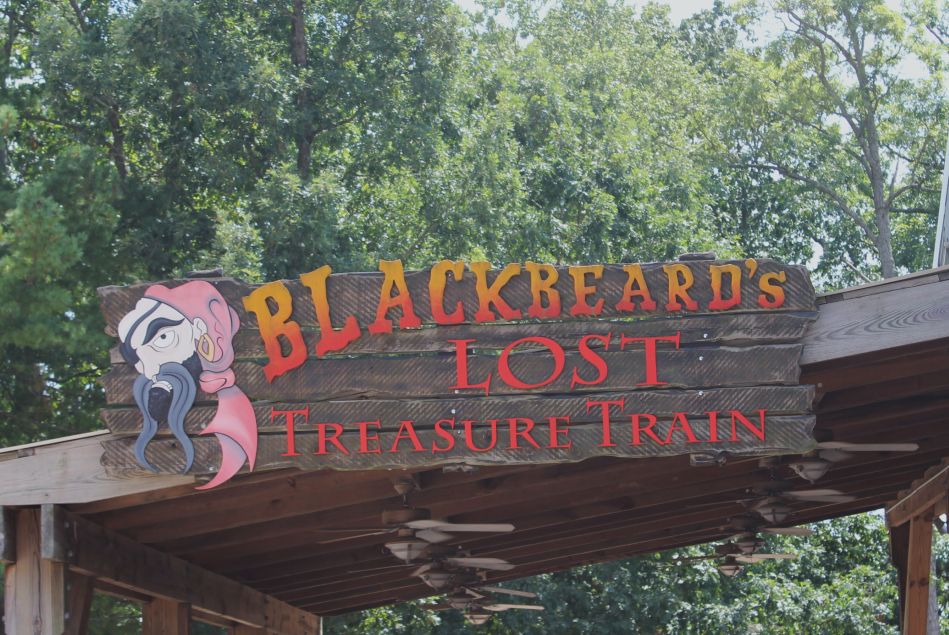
x: 841, y: 584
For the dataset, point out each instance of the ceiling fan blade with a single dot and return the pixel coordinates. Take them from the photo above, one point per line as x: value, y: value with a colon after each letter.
x: 497, y: 589
x: 814, y: 492
x: 834, y: 456
x: 789, y: 531
x: 366, y: 531
x: 388, y: 568
x: 694, y: 559
x: 868, y: 447
x: 433, y: 535
x: 840, y: 498
x: 761, y: 557
x: 425, y: 568
x: 493, y: 564
x: 508, y: 607
x: 474, y: 593
x: 461, y: 527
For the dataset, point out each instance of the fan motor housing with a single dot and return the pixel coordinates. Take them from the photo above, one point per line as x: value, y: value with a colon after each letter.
x: 404, y: 515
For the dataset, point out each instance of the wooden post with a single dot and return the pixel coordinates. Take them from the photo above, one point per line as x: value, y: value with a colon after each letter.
x: 918, y: 572
x: 240, y: 629
x: 166, y: 617
x: 35, y: 601
x: 899, y: 548
x: 80, y: 589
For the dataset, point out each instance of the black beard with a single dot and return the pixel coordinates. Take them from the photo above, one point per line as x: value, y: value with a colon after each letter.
x: 159, y: 399
x: 170, y: 407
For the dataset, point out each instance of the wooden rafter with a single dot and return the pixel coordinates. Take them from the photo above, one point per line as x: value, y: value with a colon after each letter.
x: 927, y: 492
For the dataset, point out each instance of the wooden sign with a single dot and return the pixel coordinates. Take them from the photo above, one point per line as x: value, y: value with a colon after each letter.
x: 459, y: 363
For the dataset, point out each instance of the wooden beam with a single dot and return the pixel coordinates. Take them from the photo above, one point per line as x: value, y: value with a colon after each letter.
x: 79, y: 589
x: 98, y: 552
x: 166, y: 617
x: 35, y: 590
x: 897, y: 313
x: 69, y: 471
x: 7, y: 535
x: 923, y: 496
x: 899, y: 552
x: 246, y: 630
x: 918, y: 572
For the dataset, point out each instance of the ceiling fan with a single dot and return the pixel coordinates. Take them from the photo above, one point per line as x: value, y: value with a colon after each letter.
x: 748, y: 528
x: 417, y: 531
x: 733, y: 556
x: 478, y: 603
x: 816, y: 463
x: 773, y: 497
x: 448, y: 568
x: 748, y: 523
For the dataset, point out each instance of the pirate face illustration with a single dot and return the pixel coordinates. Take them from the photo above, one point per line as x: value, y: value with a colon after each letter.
x: 180, y: 339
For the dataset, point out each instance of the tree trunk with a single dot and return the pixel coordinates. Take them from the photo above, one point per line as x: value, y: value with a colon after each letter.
x: 298, y: 55
x: 885, y: 244
x: 117, y: 147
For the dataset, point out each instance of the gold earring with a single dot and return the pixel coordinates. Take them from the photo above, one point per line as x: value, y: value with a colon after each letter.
x: 206, y: 347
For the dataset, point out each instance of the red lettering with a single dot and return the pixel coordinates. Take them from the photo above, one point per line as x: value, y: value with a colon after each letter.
x: 594, y: 359
x: 522, y: 434
x: 504, y: 368
x: 289, y: 419
x: 491, y: 294
x: 738, y: 417
x: 277, y: 327
x: 438, y: 279
x: 639, y: 429
x: 323, y: 438
x: 556, y: 433
x: 365, y: 438
x: 330, y: 338
x: 441, y: 432
x: 406, y: 431
x: 461, y: 368
x: 719, y: 302
x: 713, y: 427
x: 582, y: 291
x: 681, y: 422
x: 607, y: 439
x: 394, y: 279
x: 652, y: 372
x: 469, y: 435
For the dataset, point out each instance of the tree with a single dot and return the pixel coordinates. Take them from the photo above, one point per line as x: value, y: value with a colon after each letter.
x: 838, y: 116
x: 841, y: 583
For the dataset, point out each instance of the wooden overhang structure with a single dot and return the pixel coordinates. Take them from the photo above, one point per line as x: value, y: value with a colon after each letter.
x: 250, y: 554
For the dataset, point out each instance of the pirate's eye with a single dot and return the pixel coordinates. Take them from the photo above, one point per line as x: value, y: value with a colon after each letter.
x: 164, y: 339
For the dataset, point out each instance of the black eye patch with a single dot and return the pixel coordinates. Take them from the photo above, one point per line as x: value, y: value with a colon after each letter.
x: 157, y: 325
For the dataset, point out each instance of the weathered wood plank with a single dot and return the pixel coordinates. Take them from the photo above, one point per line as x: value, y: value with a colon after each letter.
x: 431, y: 376
x: 35, y: 588
x: 918, y: 575
x: 727, y: 329
x: 358, y: 293
x: 70, y: 472
x: 784, y: 435
x: 874, y: 323
x: 98, y: 552
x: 166, y: 617
x: 774, y: 399
x: 7, y: 535
x: 923, y: 496
x: 80, y: 589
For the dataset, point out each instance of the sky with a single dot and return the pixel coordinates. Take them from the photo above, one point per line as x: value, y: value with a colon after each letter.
x: 680, y: 9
